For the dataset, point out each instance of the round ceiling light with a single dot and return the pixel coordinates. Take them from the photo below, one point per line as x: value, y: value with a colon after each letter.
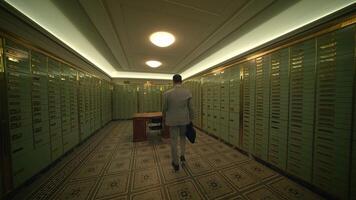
x: 162, y: 39
x: 153, y: 63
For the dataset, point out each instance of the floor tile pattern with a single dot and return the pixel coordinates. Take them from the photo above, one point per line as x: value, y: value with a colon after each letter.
x: 110, y: 166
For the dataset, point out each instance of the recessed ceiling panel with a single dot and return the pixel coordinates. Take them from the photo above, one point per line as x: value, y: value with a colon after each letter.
x: 208, y: 32
x: 212, y: 7
x: 190, y: 23
x: 140, y: 59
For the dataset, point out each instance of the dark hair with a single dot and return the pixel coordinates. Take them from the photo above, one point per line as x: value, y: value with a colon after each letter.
x: 177, y: 78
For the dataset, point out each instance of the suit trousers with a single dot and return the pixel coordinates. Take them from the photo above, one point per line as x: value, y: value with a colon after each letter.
x: 176, y: 131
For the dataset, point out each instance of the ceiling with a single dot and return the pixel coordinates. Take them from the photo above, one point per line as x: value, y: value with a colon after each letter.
x: 114, y: 34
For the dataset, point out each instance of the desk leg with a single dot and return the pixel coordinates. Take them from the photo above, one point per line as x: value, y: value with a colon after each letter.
x: 139, y: 130
x: 165, y: 132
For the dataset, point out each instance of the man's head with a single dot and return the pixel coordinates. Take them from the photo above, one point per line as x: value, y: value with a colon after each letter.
x: 177, y: 79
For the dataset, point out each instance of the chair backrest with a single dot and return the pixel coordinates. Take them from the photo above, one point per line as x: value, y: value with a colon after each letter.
x: 156, y: 120
x: 155, y: 124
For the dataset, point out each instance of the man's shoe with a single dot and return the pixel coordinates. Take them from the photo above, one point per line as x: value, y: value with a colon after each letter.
x: 175, y: 167
x: 182, y: 159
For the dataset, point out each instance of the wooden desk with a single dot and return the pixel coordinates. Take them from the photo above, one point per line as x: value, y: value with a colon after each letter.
x: 139, y: 125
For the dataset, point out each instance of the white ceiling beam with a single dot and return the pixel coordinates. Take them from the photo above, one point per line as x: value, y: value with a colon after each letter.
x: 242, y: 16
x: 98, y: 14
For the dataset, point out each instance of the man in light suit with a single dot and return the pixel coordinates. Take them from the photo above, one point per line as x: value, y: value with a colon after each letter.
x: 177, y: 112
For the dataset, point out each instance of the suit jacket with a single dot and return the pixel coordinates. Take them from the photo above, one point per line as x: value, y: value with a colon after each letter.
x: 177, y: 106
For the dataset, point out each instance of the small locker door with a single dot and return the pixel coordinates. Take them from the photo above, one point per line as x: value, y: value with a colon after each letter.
x: 279, y: 89
x: 262, y: 65
x: 334, y: 93
x: 248, y: 138
x: 301, y: 109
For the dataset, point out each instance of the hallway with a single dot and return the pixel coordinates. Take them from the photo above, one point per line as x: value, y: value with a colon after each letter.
x: 110, y: 166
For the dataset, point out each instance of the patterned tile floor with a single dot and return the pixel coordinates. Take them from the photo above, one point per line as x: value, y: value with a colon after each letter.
x: 110, y: 166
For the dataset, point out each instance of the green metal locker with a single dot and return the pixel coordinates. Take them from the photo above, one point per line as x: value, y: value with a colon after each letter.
x: 86, y: 97
x: 198, y: 103
x: 110, y: 102
x: 234, y: 105
x: 157, y: 93
x: 215, y: 90
x: 353, y: 158
x: 125, y: 101
x: 131, y: 99
x: 353, y: 170
x: 65, y: 107
x: 89, y: 104
x: 224, y: 126
x: 87, y: 100
x: 210, y: 110
x: 40, y: 116
x: 54, y: 108
x: 19, y: 88
x: 279, y: 100
x: 146, y: 99
x: 121, y: 102
x: 89, y: 111
x: 301, y: 109
x: 209, y: 98
x: 73, y: 105
x: 82, y: 106
x: 96, y: 104
x: 204, y: 86
x: 103, y: 102
x: 249, y: 74
x: 149, y: 99
x: 114, y: 105
x: 263, y: 65
x: 91, y: 97
x: 42, y: 109
x: 2, y: 117
x: 334, y: 93
x: 156, y: 98
x: 191, y: 86
x: 224, y: 91
x: 118, y: 101
x: 128, y: 99
x: 95, y: 113
x: 84, y: 81
x: 106, y: 102
x: 140, y: 98
x: 224, y: 105
x: 1, y: 184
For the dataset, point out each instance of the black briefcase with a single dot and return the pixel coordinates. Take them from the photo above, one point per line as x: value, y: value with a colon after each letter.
x: 190, y: 132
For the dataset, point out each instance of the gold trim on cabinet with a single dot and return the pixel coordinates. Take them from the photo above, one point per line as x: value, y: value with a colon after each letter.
x: 333, y: 25
x: 32, y: 47
x: 5, y: 136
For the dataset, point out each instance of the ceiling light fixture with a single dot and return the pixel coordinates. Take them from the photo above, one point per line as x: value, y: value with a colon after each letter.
x: 153, y: 63
x: 162, y: 39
